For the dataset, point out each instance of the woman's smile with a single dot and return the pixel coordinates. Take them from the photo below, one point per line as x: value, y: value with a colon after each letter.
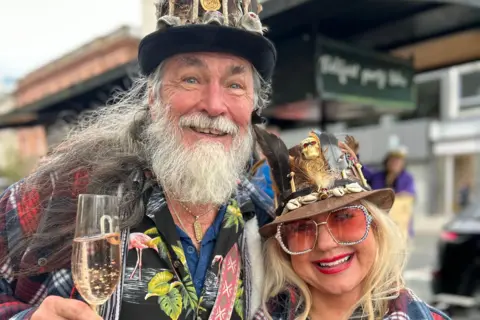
x: 334, y: 265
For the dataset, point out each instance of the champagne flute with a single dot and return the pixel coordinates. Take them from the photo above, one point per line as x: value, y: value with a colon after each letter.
x: 96, y: 254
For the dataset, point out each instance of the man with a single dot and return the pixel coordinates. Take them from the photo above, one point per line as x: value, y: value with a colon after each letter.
x: 174, y: 148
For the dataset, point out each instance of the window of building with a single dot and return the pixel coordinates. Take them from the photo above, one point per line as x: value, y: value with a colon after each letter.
x: 470, y: 84
x: 470, y: 90
x: 428, y: 100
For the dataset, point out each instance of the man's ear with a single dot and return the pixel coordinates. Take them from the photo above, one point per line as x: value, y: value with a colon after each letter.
x: 151, y: 104
x: 151, y: 97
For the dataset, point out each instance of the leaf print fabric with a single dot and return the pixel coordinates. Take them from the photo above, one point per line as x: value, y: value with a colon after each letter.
x: 239, y: 299
x: 189, y: 294
x: 233, y: 216
x: 169, y: 292
x: 161, y: 284
x: 171, y: 304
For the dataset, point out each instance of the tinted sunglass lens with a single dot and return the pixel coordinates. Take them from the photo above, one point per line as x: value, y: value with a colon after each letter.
x: 299, y: 236
x: 347, y: 225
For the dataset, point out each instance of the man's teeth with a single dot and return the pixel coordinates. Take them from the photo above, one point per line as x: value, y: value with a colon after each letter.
x: 209, y: 131
x: 335, y: 263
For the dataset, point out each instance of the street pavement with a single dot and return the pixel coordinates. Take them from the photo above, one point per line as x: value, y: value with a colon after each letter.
x: 421, y: 261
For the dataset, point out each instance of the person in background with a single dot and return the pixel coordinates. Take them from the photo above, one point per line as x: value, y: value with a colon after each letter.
x: 395, y: 176
x: 261, y: 177
x: 464, y: 195
x: 260, y: 172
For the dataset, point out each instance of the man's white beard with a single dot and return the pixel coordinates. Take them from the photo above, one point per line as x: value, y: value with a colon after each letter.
x: 205, y: 173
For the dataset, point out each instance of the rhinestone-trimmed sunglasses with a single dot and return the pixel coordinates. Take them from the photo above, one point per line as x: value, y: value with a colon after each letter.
x: 347, y: 226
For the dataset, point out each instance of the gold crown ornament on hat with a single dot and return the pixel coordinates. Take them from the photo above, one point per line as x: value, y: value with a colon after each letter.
x: 320, y: 174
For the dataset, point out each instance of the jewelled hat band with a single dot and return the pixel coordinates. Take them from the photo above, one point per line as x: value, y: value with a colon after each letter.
x: 313, y: 197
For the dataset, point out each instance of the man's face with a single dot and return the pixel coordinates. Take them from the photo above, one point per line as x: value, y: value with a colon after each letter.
x: 200, y: 138
x: 219, y: 86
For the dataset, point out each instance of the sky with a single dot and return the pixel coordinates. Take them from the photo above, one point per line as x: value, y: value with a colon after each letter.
x: 35, y: 32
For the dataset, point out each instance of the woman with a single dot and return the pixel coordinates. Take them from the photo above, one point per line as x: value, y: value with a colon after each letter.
x: 395, y: 176
x: 332, y: 252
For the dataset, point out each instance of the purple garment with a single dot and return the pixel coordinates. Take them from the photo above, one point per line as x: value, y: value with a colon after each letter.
x: 377, y: 180
x: 403, y: 183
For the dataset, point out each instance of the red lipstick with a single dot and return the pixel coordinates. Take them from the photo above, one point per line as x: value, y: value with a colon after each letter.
x: 334, y: 265
x: 334, y: 258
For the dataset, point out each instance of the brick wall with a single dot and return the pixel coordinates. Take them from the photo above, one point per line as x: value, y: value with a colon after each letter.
x: 97, y: 57
x: 87, y: 62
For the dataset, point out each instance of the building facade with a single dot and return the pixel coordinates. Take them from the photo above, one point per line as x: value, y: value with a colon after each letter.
x: 455, y: 136
x: 8, y: 137
x: 443, y: 145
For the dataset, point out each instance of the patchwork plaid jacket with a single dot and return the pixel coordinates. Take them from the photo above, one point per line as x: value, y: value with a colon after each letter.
x: 19, y: 212
x: 407, y: 306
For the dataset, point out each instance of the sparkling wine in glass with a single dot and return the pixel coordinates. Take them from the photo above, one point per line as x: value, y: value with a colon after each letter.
x: 96, y: 255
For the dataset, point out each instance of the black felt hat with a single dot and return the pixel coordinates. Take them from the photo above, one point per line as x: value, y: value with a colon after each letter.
x: 226, y: 26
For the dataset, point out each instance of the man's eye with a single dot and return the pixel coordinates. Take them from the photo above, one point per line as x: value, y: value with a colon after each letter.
x: 235, y: 86
x: 190, y: 80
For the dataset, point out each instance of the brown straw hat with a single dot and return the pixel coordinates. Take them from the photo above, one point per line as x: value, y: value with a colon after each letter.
x: 317, y: 176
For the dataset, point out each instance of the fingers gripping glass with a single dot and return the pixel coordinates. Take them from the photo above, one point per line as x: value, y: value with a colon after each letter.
x: 347, y: 226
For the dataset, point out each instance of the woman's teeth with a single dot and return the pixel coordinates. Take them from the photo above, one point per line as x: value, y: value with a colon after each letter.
x: 335, y: 263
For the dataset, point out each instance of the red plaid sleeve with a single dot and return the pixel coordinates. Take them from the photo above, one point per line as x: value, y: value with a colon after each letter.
x: 27, y: 210
x: 10, y: 306
x: 20, y: 206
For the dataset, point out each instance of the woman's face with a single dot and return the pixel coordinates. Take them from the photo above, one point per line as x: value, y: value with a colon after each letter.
x: 331, y: 268
x: 395, y: 164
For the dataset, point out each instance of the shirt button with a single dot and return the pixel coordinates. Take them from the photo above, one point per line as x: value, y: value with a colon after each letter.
x: 190, y: 250
x: 177, y: 264
x: 42, y: 262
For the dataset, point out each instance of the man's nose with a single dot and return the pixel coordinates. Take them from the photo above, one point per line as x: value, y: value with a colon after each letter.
x: 214, y: 103
x: 325, y: 241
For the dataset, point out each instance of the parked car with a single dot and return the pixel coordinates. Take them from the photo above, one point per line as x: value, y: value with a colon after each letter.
x: 456, y: 275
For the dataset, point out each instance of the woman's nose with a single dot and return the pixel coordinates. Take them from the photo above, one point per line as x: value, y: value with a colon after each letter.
x: 325, y: 240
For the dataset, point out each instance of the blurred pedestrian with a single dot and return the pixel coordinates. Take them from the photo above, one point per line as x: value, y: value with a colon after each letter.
x: 261, y: 177
x: 464, y: 195
x: 394, y: 175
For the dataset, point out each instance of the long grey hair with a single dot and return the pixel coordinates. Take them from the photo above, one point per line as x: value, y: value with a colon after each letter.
x: 111, y: 146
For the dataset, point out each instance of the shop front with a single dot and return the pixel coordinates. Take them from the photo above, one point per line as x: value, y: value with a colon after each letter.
x: 322, y: 81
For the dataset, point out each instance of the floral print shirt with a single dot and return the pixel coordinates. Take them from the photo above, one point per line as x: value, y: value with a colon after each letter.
x: 166, y: 289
